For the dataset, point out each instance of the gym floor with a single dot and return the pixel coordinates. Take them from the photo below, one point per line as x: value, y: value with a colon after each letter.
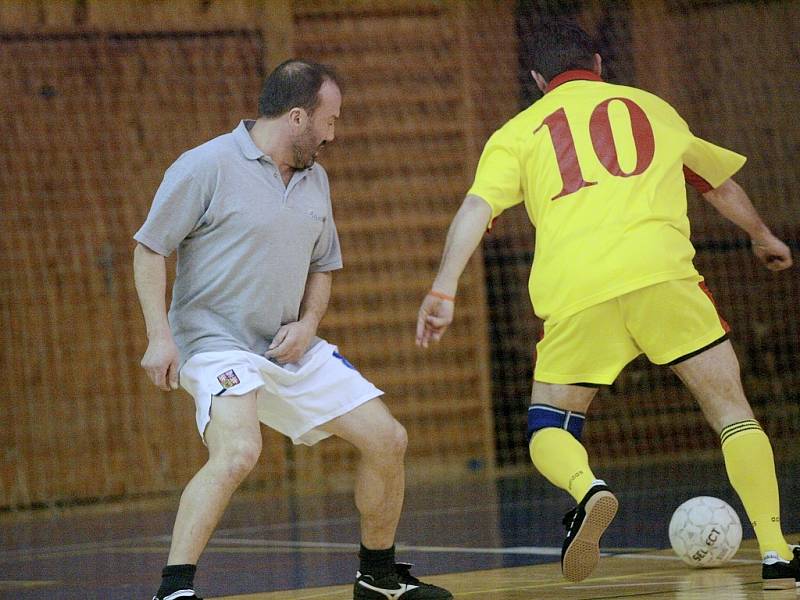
x: 488, y: 540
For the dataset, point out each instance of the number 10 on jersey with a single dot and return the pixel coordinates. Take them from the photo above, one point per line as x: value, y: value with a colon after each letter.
x: 602, y: 141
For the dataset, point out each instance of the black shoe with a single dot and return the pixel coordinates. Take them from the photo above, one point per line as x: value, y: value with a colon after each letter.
x: 179, y: 595
x: 400, y: 585
x: 585, y: 524
x: 777, y: 574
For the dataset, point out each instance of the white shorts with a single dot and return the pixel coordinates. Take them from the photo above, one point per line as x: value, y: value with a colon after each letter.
x: 294, y: 399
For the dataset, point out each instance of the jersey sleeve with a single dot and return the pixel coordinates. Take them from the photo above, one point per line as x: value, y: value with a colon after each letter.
x: 178, y: 207
x: 712, y: 164
x: 327, y: 254
x: 498, y: 178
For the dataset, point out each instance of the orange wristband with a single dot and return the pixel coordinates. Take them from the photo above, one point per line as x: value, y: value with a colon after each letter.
x: 441, y: 296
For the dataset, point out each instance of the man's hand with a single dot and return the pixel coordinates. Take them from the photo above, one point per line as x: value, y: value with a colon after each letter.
x: 291, y: 342
x: 435, y: 315
x: 160, y: 361
x: 772, y: 252
x: 733, y: 203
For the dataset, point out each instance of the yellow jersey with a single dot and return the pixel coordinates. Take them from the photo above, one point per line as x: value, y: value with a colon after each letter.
x: 600, y: 168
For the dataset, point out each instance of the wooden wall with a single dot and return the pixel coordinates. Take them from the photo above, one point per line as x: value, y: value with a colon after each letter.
x: 89, y: 125
x: 91, y: 122
x: 409, y: 139
x: 95, y: 110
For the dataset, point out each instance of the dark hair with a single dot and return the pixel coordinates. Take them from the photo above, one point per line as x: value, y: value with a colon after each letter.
x: 558, y: 45
x: 294, y: 83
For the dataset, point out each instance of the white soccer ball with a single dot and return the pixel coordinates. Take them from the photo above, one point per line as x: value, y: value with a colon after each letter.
x: 705, y: 532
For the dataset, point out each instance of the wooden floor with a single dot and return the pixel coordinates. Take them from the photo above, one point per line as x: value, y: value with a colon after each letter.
x: 484, y: 539
x: 656, y: 575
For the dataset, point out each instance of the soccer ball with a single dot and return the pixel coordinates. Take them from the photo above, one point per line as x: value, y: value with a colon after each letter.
x: 705, y: 532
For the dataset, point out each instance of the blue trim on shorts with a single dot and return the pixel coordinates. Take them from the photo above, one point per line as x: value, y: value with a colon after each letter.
x: 346, y: 362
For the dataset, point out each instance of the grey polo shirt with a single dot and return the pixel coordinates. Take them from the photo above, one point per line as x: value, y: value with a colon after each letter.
x: 246, y: 243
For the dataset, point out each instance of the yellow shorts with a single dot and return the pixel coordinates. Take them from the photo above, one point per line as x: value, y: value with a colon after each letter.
x: 666, y: 321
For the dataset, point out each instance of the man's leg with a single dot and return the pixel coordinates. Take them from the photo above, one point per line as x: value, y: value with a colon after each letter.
x: 713, y: 379
x: 555, y: 422
x: 234, y: 445
x: 379, y: 490
x: 593, y: 345
x: 556, y: 451
x: 380, y: 477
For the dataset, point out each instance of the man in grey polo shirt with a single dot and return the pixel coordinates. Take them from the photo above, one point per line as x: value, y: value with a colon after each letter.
x: 249, y: 214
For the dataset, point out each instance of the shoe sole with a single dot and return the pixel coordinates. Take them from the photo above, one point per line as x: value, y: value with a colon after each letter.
x: 360, y: 595
x: 779, y: 584
x: 583, y: 553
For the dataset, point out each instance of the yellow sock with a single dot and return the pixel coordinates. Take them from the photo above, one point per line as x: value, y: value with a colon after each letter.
x: 751, y: 470
x: 562, y: 460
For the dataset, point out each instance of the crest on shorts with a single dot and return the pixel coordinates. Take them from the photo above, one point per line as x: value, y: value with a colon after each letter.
x: 228, y: 379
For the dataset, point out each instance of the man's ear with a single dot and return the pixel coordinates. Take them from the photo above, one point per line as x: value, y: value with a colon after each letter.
x: 297, y: 117
x: 541, y: 82
x: 598, y: 64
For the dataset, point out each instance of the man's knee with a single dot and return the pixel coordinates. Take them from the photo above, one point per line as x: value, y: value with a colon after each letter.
x: 542, y: 416
x: 400, y: 439
x: 389, y: 442
x: 238, y: 456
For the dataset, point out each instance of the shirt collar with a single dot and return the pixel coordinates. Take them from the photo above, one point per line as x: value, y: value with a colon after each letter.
x: 246, y: 144
x: 573, y: 75
x: 248, y: 147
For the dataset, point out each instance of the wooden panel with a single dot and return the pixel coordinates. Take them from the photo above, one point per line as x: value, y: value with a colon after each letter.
x: 394, y: 204
x: 147, y: 136
x: 273, y: 18
x: 177, y: 15
x: 123, y: 15
x: 92, y: 124
x: 398, y: 171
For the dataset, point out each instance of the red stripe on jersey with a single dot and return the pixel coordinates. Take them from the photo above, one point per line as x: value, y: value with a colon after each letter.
x: 697, y: 182
x: 707, y: 292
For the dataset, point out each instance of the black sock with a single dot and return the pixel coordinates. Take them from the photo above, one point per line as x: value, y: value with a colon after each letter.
x: 176, y: 577
x: 377, y: 563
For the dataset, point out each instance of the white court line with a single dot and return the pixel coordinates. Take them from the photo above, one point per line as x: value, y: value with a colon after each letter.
x: 526, y: 550
x: 511, y: 550
x: 516, y: 550
x: 53, y: 552
x: 743, y: 561
x: 620, y: 585
x: 289, y: 544
x: 11, y: 554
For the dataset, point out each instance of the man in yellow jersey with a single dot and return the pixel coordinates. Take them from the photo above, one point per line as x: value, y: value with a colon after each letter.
x: 601, y: 169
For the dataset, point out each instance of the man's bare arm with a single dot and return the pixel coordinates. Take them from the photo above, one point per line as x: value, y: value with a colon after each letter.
x: 463, y: 237
x: 732, y: 202
x: 161, y: 358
